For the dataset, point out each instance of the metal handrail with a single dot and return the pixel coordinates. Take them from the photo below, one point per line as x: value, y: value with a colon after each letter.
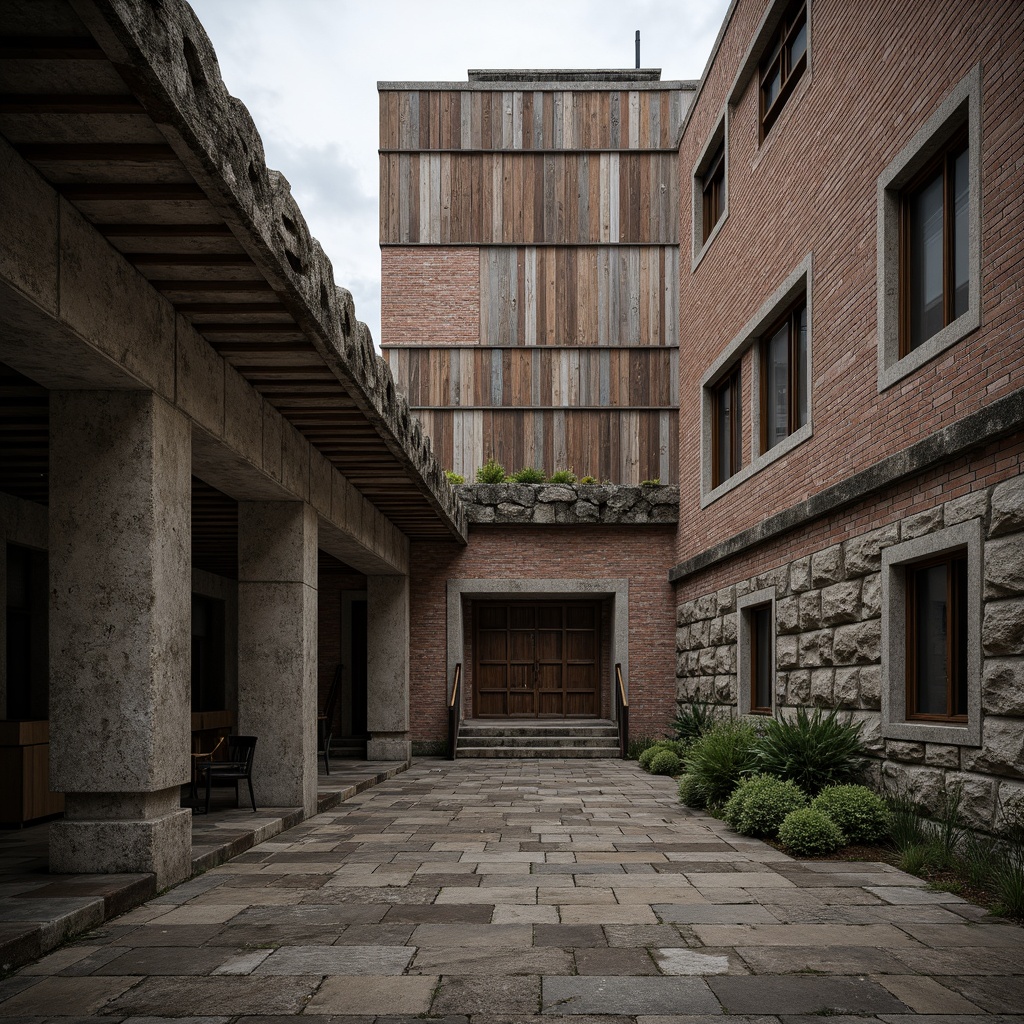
x: 453, y: 712
x: 622, y: 712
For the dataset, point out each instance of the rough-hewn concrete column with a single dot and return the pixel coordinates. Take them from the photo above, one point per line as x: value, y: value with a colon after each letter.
x: 120, y: 551
x: 277, y: 652
x: 387, y: 667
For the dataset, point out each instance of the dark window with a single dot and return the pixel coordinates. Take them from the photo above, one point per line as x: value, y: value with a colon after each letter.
x: 937, y: 638
x: 934, y: 242
x: 760, y: 623
x: 713, y: 186
x: 784, y: 400
x: 726, y: 429
x: 208, y: 639
x: 782, y: 65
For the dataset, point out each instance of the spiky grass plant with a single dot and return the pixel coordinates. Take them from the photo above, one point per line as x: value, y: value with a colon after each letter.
x: 721, y: 757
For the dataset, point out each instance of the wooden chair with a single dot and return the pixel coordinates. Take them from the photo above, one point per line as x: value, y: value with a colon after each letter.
x: 325, y: 722
x: 236, y: 767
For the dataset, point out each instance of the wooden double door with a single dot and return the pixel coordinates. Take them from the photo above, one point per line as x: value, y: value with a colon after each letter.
x: 537, y: 659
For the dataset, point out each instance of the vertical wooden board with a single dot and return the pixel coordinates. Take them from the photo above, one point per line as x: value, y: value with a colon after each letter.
x: 571, y: 164
x: 654, y: 137
x: 405, y: 135
x: 644, y: 141
x: 384, y: 192
x: 445, y: 139
x: 497, y: 161
x: 435, y: 198
x: 537, y: 120
x: 642, y: 287
x: 507, y: 125
x: 614, y: 217
x: 632, y: 256
x: 435, y: 120
x: 547, y: 121
x: 526, y: 120
x: 557, y: 100
x: 574, y: 377
x: 640, y: 229
x: 486, y: 141
x: 648, y: 205
x: 667, y: 136
x: 456, y: 119
x: 634, y: 119
x: 383, y: 128
x: 517, y: 119
x: 520, y: 295
x: 475, y: 119
x: 592, y: 310
x: 547, y: 377
x: 445, y: 198
x: 671, y: 292
x: 497, y: 381
x: 581, y: 163
x: 537, y: 232
x: 559, y: 453
x: 604, y: 118
x: 571, y: 336
x: 559, y: 235
x: 593, y: 223
x: 604, y: 197
x: 550, y: 215
x: 673, y: 378
x: 656, y: 301
x: 529, y: 286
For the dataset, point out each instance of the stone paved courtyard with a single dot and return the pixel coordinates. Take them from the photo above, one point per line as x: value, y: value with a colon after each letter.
x: 500, y: 892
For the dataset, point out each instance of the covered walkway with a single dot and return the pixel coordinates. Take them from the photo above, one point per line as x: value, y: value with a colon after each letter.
x: 502, y: 890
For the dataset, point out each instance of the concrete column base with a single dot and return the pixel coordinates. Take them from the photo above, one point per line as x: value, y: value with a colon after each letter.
x: 388, y: 746
x: 112, y: 833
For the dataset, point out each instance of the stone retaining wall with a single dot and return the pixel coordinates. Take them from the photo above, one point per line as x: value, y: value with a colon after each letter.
x: 828, y: 649
x: 570, y: 504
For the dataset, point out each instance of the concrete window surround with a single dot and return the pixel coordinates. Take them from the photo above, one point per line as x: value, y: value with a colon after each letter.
x: 744, y: 605
x: 894, y: 650
x: 797, y: 283
x: 720, y: 135
x: 616, y: 589
x: 961, y: 107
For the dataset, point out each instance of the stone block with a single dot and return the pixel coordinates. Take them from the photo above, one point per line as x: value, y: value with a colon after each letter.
x: 777, y: 578
x: 871, y: 596
x: 707, y: 606
x: 684, y: 614
x: 977, y: 798
x: 1002, y: 686
x: 870, y: 734
x: 682, y: 638
x: 1002, y: 631
x: 822, y: 685
x: 541, y: 514
x: 681, y: 665
x: 707, y: 660
x: 926, y: 786
x: 781, y: 688
x: 841, y: 603
x: 729, y: 629
x: 725, y: 688
x: 509, y: 510
x: 726, y: 599
x: 787, y: 615
x: 863, y: 554
x: 621, y: 499
x: 1009, y: 798
x: 1007, y: 507
x: 827, y: 566
x: 922, y: 523
x: 725, y: 659
x: 815, y: 648
x: 799, y: 688
x: 716, y: 632
x: 786, y: 652
x: 1004, y: 566
x: 522, y: 494
x: 586, y: 510
x: 870, y: 686
x: 1002, y: 748
x: 901, y: 750
x: 847, y: 687
x: 942, y: 755
x: 810, y: 609
x: 858, y: 644
x: 800, y: 575
x: 969, y: 506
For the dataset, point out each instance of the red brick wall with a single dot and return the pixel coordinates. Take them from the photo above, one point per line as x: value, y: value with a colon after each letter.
x: 430, y: 295
x: 641, y: 555
x: 811, y: 187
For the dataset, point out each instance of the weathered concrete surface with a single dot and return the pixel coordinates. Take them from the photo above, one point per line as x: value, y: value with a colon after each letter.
x: 481, y: 893
x: 570, y: 504
x: 277, y: 648
x: 120, y: 577
x: 387, y: 668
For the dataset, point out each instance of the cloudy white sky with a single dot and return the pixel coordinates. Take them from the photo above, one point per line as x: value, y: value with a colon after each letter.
x: 308, y: 72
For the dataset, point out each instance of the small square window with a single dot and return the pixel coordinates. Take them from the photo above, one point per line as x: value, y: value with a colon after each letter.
x: 784, y: 377
x: 755, y: 663
x: 726, y: 424
x: 931, y: 637
x: 785, y: 60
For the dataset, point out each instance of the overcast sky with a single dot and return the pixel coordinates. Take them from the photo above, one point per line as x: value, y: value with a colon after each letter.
x: 308, y: 72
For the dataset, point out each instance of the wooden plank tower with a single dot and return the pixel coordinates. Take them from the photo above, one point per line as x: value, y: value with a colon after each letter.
x: 529, y: 225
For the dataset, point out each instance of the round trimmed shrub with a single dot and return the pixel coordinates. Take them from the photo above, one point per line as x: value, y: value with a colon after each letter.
x: 760, y: 803
x: 690, y: 792
x: 810, y: 832
x: 648, y: 755
x: 861, y: 814
x: 644, y: 760
x: 665, y: 762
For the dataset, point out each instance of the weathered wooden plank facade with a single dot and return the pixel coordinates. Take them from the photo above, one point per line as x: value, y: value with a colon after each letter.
x: 529, y: 230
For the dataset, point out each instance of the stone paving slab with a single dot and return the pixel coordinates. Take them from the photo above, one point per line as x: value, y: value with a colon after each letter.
x: 527, y: 892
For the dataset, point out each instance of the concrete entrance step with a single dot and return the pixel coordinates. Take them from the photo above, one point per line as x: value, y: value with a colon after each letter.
x: 538, y: 738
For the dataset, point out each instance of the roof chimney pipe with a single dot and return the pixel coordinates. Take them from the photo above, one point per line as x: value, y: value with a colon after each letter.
x: 638, y: 49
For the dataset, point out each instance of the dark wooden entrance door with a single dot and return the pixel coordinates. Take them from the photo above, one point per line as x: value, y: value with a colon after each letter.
x: 540, y: 659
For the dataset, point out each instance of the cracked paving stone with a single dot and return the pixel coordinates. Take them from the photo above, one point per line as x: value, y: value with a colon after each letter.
x: 658, y: 995
x: 475, y: 995
x: 792, y: 994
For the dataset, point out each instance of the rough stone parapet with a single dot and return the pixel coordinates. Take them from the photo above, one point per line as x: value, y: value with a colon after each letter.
x: 570, y: 504
x: 828, y: 650
x: 165, y: 55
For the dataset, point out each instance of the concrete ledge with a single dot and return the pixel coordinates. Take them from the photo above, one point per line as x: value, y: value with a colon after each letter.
x: 570, y: 504
x: 1002, y: 417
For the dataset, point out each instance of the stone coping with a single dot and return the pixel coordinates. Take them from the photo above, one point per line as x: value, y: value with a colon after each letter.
x: 39, y: 911
x: 570, y: 504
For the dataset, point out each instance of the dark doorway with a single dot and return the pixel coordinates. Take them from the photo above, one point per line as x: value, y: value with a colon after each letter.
x: 539, y: 659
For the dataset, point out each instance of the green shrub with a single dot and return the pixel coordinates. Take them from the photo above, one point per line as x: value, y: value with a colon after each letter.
x: 759, y: 804
x: 528, y: 475
x: 454, y: 478
x: 861, y: 814
x: 690, y: 792
x: 562, y: 476
x: 721, y: 757
x: 655, y: 747
x: 491, y: 472
x: 647, y: 755
x: 692, y: 720
x: 588, y: 479
x: 810, y: 832
x: 814, y: 750
x: 665, y: 762
x: 656, y: 482
x: 637, y: 746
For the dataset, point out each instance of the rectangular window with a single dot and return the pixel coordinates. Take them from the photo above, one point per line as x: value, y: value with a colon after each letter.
x: 934, y: 246
x: 784, y: 377
x: 784, y: 62
x: 760, y: 664
x: 936, y: 660
x: 713, y: 189
x: 727, y: 428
